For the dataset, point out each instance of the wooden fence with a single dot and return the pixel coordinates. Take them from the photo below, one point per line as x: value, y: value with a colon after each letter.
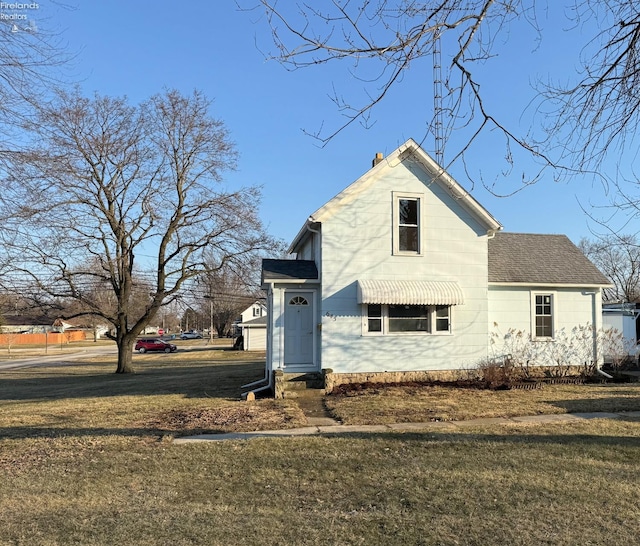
x: 50, y: 338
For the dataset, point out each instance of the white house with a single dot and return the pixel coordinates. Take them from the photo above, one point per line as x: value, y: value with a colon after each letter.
x: 253, y: 325
x: 623, y: 317
x: 405, y: 271
x: 254, y: 334
x: 255, y: 310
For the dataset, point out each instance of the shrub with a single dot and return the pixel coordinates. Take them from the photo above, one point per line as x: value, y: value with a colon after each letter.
x: 497, y: 373
x: 557, y: 357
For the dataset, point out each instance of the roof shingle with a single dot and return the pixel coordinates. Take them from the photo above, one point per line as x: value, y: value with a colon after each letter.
x: 540, y: 259
x: 274, y: 270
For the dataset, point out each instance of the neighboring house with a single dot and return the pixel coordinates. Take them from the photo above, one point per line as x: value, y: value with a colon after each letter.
x: 254, y: 334
x: 254, y: 311
x: 623, y: 317
x: 405, y: 271
x: 11, y: 324
x: 252, y: 326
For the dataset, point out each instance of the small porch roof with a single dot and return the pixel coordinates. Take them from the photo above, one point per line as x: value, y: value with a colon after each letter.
x: 288, y: 271
x: 410, y: 292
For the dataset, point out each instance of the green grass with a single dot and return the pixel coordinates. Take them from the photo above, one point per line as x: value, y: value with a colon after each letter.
x: 86, y: 458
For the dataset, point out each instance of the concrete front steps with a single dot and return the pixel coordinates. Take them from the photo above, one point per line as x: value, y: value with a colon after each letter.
x: 291, y: 385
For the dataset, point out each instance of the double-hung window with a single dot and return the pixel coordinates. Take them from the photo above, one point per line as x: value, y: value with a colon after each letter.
x: 543, y: 312
x: 407, y: 223
x: 381, y: 319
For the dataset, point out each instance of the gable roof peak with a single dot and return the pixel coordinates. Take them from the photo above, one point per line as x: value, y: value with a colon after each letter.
x: 410, y: 149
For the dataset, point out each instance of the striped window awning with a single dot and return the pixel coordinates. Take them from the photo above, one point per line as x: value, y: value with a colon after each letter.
x: 410, y: 292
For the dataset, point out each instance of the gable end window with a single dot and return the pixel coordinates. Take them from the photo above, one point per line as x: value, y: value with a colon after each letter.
x: 381, y: 319
x: 543, y: 315
x: 407, y: 223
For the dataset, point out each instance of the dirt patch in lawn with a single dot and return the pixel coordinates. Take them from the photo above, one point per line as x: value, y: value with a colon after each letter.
x: 245, y: 417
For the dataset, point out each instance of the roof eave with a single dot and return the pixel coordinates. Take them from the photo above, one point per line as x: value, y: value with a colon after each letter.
x: 271, y: 282
x: 308, y: 227
x: 550, y: 284
x: 439, y: 175
x: 447, y: 182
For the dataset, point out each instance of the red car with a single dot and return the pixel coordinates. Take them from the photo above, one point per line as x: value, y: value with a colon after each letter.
x: 154, y: 344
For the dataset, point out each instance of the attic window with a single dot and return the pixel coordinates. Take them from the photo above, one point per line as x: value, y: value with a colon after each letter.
x: 408, y: 225
x: 407, y: 214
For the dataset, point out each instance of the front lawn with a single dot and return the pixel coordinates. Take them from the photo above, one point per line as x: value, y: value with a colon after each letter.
x: 394, y: 404
x: 87, y: 458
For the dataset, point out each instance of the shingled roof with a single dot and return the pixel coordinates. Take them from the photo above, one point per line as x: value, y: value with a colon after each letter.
x: 278, y: 270
x: 540, y: 259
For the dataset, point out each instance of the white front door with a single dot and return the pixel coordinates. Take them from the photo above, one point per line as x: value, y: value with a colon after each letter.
x: 298, y: 331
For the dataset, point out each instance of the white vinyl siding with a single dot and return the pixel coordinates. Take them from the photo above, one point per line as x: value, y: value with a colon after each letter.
x: 356, y: 242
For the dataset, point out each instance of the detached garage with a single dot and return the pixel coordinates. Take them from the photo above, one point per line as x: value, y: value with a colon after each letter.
x: 254, y: 333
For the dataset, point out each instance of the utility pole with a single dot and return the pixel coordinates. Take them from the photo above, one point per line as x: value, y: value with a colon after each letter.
x: 211, y: 320
x: 210, y: 298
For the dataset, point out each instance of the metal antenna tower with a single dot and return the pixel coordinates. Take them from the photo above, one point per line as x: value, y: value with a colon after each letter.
x: 438, y: 128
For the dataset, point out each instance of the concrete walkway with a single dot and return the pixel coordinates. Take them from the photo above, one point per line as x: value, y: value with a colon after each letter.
x: 406, y: 427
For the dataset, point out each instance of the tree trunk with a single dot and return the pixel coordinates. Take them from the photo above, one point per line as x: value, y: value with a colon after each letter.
x: 125, y: 354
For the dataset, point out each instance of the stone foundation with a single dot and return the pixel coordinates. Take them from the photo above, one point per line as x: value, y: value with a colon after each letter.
x: 333, y: 380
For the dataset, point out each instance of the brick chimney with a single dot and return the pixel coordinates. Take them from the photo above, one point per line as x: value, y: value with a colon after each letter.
x: 377, y: 159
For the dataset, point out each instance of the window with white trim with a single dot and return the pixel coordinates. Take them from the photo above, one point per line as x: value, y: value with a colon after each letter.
x: 543, y: 315
x: 407, y: 224
x: 374, y: 317
x: 378, y: 319
x: 443, y: 318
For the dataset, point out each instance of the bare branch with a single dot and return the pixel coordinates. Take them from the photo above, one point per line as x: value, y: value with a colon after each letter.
x: 125, y: 200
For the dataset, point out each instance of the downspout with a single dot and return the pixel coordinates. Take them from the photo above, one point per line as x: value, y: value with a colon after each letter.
x: 594, y: 318
x: 317, y: 357
x: 269, y: 386
x: 267, y: 376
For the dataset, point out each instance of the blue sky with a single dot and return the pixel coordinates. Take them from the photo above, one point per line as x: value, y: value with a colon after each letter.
x: 138, y: 48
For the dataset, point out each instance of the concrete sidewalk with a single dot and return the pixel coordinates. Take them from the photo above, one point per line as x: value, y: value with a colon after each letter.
x: 406, y: 427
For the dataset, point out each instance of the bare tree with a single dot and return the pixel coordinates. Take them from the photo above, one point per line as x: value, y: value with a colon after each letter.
x: 382, y: 39
x: 31, y: 62
x: 124, y: 197
x: 618, y: 257
x: 601, y: 112
x: 228, y: 290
